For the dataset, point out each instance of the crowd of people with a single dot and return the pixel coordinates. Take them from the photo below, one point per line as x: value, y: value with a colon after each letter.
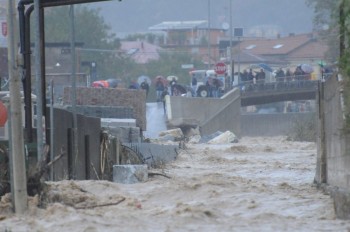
x: 250, y: 76
x: 213, y: 86
x: 283, y: 77
x: 280, y: 75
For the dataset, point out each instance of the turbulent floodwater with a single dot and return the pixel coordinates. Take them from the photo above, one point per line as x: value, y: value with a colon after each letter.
x: 257, y: 184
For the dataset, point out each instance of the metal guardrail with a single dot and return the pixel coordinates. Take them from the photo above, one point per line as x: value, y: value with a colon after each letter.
x: 249, y: 88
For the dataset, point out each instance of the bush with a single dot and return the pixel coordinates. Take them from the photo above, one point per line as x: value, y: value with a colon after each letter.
x: 303, y: 130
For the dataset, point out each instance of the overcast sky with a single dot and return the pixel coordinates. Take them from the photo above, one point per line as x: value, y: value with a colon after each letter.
x: 131, y: 16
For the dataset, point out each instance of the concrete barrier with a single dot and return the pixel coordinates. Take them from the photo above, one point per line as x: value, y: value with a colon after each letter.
x: 130, y: 174
x: 210, y: 114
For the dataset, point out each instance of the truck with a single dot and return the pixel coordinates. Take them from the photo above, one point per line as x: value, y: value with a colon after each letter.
x: 202, y: 76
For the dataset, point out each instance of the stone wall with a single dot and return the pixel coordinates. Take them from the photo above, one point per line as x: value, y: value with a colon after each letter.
x: 136, y: 99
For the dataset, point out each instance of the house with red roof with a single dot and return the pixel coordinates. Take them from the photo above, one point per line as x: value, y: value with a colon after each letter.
x: 288, y: 51
x: 140, y: 51
x: 284, y: 52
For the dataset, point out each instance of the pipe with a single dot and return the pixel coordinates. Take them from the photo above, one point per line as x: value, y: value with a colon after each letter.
x: 48, y: 3
x: 24, y: 24
x: 27, y: 75
x: 42, y: 61
x: 21, y: 9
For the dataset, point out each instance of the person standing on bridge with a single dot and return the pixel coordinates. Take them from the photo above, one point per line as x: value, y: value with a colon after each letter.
x: 173, y: 82
x: 251, y: 76
x: 280, y: 75
x: 159, y: 89
x: 194, y: 84
x: 289, y: 75
x: 216, y: 87
x: 145, y: 86
x: 164, y: 94
x: 260, y: 78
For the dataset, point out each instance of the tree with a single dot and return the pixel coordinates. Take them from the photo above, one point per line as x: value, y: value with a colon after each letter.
x: 170, y: 63
x: 100, y: 45
x: 337, y: 14
x: 326, y: 24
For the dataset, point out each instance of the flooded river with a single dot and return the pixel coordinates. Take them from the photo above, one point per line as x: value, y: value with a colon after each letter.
x: 257, y: 184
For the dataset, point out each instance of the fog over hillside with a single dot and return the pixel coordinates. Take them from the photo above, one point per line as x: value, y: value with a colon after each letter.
x: 130, y: 16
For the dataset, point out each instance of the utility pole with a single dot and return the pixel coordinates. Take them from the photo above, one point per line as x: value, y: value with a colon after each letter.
x: 74, y: 90
x: 39, y: 101
x: 209, y: 35
x: 231, y: 63
x: 341, y: 29
x: 19, y: 178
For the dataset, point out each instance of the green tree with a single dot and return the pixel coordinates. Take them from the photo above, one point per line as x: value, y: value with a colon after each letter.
x: 169, y: 64
x: 100, y: 45
x: 326, y: 24
x: 336, y: 13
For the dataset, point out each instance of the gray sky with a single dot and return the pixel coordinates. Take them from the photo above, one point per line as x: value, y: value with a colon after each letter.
x: 138, y: 15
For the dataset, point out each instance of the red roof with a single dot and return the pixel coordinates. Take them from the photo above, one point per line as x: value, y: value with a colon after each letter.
x: 141, y: 52
x: 278, y: 46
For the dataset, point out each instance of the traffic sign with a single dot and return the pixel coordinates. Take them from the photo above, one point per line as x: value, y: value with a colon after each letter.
x: 220, y: 68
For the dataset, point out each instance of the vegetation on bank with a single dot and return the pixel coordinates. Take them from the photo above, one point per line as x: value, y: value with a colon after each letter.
x: 332, y: 20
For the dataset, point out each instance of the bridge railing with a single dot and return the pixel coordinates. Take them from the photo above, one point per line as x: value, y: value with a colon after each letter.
x: 249, y: 87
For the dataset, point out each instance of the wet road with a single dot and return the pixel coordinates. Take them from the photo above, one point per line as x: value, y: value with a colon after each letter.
x: 155, y: 119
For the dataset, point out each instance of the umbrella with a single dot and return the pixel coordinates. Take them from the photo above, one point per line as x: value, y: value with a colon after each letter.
x: 263, y: 66
x: 220, y: 81
x: 112, y: 83
x: 179, y: 89
x: 100, y: 84
x: 322, y: 63
x: 165, y: 81
x: 140, y: 79
x: 170, y: 78
x: 307, y: 68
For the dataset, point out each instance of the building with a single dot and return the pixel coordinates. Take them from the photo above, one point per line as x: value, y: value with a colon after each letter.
x: 192, y: 36
x: 140, y: 51
x: 288, y: 51
x: 284, y: 52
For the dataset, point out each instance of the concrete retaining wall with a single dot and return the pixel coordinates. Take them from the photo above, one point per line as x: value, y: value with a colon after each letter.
x: 333, y: 151
x: 70, y: 166
x: 211, y: 114
x: 272, y: 124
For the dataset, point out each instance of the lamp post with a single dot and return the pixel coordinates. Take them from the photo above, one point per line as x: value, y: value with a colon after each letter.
x: 74, y: 89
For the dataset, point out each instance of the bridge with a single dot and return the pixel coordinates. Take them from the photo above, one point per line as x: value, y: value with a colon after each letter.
x: 263, y: 93
x: 214, y: 114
